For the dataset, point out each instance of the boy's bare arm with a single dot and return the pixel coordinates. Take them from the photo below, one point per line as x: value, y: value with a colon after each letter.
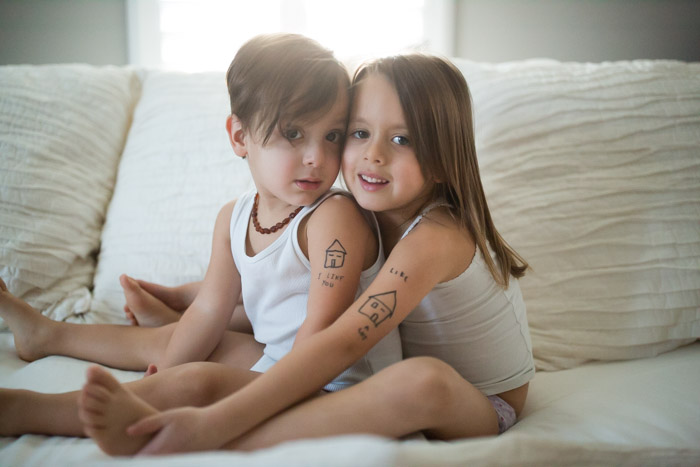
x: 205, y: 320
x: 340, y: 244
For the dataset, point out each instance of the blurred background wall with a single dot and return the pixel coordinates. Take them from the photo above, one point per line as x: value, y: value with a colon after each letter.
x: 98, y: 31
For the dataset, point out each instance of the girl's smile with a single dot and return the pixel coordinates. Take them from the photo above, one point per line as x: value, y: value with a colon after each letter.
x: 371, y: 182
x: 379, y: 162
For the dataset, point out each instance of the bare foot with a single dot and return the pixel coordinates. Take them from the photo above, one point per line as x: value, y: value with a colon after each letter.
x: 151, y: 370
x: 30, y: 328
x: 143, y: 308
x: 107, y: 409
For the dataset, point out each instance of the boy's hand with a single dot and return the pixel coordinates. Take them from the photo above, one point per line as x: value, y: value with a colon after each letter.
x: 177, y: 430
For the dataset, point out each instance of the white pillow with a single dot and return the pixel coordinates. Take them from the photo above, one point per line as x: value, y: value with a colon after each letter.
x: 592, y: 172
x: 62, y: 129
x: 178, y: 169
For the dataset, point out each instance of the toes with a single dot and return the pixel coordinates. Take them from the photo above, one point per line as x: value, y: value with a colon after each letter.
x: 3, y: 287
x: 95, y: 393
x: 90, y: 411
x: 101, y: 377
x: 130, y: 316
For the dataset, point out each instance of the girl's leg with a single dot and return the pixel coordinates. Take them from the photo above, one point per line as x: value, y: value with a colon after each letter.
x: 191, y: 384
x: 418, y: 394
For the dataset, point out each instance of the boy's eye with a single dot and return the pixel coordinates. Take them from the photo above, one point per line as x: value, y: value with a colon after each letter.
x: 334, y: 136
x: 360, y: 134
x: 292, y: 134
x: 401, y: 140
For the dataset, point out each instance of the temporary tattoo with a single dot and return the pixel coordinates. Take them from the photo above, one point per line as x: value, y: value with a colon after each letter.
x: 363, y: 332
x: 379, y: 307
x: 399, y: 273
x: 329, y: 279
x: 335, y: 255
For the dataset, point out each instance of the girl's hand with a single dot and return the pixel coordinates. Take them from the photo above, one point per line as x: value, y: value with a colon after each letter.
x: 177, y: 430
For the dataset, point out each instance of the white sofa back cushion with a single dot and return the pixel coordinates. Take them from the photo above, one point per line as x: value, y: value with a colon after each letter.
x: 62, y: 130
x: 177, y: 171
x: 592, y: 173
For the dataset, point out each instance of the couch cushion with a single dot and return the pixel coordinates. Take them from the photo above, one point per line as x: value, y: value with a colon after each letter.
x: 592, y: 173
x: 62, y: 130
x: 177, y: 171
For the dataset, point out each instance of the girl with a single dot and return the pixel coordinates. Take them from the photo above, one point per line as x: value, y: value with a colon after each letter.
x: 289, y: 104
x: 449, y: 283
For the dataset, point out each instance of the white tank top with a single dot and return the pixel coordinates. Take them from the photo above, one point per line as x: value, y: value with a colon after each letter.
x: 474, y: 325
x: 275, y: 288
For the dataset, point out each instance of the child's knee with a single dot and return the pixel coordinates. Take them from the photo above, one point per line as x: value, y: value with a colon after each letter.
x: 197, y: 381
x: 425, y: 382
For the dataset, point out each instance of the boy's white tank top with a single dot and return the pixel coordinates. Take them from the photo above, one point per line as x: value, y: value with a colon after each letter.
x: 275, y: 286
x: 474, y: 325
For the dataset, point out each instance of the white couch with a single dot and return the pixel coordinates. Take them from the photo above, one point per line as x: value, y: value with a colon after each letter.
x: 592, y: 172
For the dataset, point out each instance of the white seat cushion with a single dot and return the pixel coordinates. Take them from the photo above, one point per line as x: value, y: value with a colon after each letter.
x: 62, y: 130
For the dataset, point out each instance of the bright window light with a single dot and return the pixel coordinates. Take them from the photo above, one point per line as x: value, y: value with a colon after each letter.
x: 204, y: 35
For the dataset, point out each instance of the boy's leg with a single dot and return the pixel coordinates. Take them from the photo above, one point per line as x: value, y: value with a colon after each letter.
x: 151, y: 305
x: 419, y: 394
x: 176, y: 298
x: 37, y: 336
x: 125, y: 347
x: 192, y: 384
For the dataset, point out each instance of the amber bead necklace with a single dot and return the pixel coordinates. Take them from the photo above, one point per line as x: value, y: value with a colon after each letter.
x: 277, y: 226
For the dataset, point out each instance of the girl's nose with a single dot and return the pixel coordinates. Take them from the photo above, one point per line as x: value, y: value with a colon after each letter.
x: 374, y: 153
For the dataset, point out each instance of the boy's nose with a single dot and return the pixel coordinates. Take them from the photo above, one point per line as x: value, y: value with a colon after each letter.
x: 314, y: 156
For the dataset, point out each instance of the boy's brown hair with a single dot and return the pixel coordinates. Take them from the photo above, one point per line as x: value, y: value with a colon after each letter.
x: 277, y: 78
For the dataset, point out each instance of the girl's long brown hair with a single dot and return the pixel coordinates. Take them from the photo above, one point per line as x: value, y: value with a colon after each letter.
x: 437, y: 108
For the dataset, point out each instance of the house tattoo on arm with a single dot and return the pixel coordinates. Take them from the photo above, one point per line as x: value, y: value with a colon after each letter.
x: 335, y: 258
x: 377, y: 308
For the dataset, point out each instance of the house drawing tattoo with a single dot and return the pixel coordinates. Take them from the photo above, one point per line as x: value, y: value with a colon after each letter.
x: 379, y: 307
x: 335, y: 255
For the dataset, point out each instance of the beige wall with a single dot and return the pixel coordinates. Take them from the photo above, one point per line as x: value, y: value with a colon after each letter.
x: 63, y: 31
x: 578, y: 30
x: 94, y: 31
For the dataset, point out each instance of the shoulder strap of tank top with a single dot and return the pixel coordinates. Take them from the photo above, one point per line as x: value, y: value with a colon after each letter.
x: 419, y: 217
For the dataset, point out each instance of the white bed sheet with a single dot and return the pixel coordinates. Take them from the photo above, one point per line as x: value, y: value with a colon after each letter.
x: 640, y: 412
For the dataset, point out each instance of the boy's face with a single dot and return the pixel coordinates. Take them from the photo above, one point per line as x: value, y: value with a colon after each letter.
x: 379, y: 162
x: 301, y: 161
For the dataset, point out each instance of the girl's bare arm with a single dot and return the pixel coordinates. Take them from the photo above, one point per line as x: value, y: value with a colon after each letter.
x: 414, y: 267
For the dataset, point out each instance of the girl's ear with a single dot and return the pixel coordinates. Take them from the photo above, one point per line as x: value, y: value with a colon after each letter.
x: 236, y: 135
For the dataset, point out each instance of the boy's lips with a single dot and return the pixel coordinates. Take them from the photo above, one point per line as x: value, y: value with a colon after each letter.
x: 372, y: 182
x: 308, y: 184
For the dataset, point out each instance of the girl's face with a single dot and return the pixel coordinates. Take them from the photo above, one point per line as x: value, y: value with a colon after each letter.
x: 379, y: 163
x: 301, y: 161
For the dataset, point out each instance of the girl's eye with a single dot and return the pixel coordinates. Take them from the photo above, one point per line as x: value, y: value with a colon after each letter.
x: 360, y: 134
x: 292, y: 134
x: 334, y: 137
x: 401, y: 140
